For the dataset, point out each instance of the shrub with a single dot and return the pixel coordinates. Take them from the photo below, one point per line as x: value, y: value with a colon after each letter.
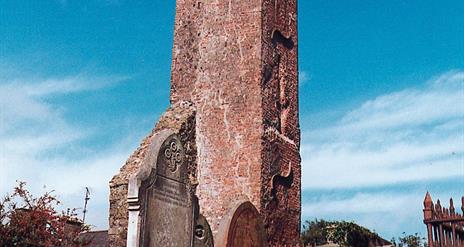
x: 26, y: 220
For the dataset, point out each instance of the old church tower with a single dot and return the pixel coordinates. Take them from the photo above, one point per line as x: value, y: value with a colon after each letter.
x: 235, y: 62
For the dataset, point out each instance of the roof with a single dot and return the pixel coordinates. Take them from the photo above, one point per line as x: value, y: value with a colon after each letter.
x: 95, y: 238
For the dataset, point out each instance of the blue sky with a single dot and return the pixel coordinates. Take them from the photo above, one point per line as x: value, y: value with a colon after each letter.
x: 381, y: 101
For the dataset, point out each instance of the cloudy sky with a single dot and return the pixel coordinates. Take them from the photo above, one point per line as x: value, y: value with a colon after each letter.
x: 381, y: 101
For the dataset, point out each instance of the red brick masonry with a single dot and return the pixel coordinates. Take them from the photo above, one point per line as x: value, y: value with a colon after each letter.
x: 236, y: 61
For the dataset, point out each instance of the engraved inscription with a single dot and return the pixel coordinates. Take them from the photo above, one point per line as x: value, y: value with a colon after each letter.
x: 171, y: 192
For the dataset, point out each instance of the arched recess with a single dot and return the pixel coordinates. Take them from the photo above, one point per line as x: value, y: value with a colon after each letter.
x: 242, y: 227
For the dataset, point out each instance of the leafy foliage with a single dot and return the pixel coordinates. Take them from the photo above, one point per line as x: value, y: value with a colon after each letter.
x: 26, y: 220
x: 343, y: 233
x: 314, y: 232
x: 409, y: 241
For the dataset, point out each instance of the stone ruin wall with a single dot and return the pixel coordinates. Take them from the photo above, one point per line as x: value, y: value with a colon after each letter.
x: 281, y: 170
x: 181, y: 119
x: 237, y: 62
x: 223, y: 82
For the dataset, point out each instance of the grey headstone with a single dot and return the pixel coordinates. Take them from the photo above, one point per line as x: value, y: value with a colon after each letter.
x: 168, y: 204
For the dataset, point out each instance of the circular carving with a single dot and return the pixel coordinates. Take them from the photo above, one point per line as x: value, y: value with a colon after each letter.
x: 173, y: 156
x: 200, y: 232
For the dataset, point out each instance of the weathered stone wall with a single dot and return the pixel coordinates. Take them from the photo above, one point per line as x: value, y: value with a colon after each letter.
x: 281, y: 183
x: 280, y: 67
x: 223, y: 80
x: 181, y: 119
x: 237, y: 62
x: 281, y: 170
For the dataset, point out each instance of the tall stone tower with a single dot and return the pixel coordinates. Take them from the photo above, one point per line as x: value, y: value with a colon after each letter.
x: 236, y: 61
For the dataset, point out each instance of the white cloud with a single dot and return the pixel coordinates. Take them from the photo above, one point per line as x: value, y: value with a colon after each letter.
x: 22, y: 99
x: 364, y: 203
x: 411, y: 135
x: 31, y: 128
x: 303, y: 77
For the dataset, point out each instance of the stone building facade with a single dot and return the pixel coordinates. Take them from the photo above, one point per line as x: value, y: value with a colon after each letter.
x: 236, y: 62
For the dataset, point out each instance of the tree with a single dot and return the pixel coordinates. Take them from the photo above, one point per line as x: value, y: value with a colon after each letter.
x: 319, y: 232
x: 26, y: 220
x: 409, y: 241
x: 314, y: 232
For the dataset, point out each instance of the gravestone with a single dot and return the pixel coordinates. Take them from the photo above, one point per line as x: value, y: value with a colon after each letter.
x: 163, y: 208
x: 168, y: 209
